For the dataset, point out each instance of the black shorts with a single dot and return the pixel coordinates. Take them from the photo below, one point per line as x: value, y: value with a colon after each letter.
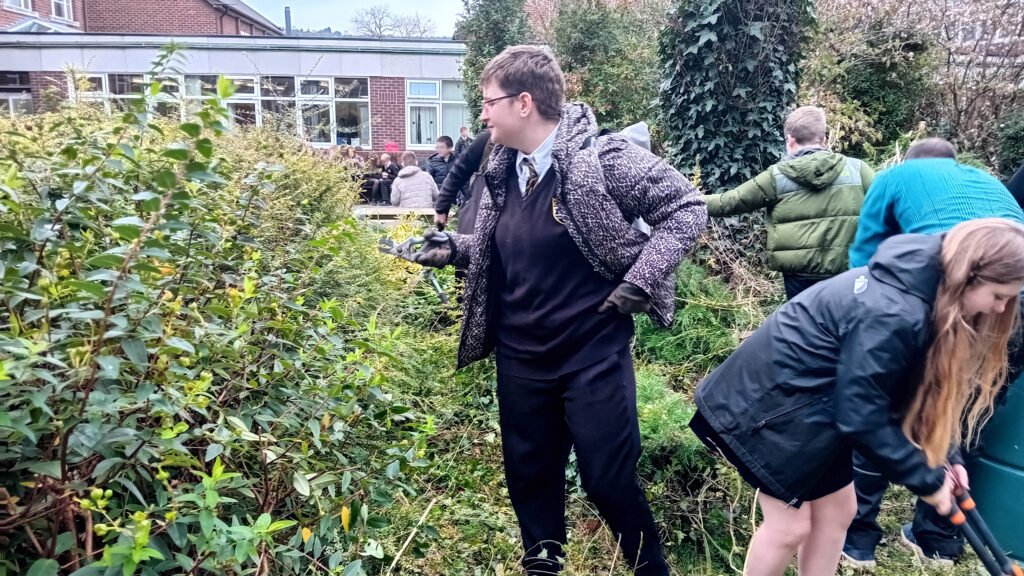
x: 838, y: 476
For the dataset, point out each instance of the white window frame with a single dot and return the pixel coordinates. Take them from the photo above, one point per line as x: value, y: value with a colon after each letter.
x: 9, y: 98
x: 303, y: 100
x: 20, y: 6
x: 437, y: 103
x: 253, y: 98
x: 454, y: 137
x: 69, y: 10
x: 334, y: 110
x: 421, y: 102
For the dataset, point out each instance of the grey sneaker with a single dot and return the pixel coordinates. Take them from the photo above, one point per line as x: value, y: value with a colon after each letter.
x: 857, y: 560
x: 908, y: 542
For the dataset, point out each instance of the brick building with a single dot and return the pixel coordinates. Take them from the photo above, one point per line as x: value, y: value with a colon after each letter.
x: 374, y: 93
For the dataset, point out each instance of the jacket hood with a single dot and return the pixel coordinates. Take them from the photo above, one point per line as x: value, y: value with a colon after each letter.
x: 814, y: 171
x: 408, y: 171
x: 577, y: 123
x: 911, y: 263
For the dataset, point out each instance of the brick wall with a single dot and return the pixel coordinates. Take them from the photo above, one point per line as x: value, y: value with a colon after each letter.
x: 387, y: 112
x: 164, y: 17
x: 43, y: 10
x: 49, y: 89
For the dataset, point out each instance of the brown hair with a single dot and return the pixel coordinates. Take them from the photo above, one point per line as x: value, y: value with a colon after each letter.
x: 931, y: 148
x: 408, y: 158
x: 806, y: 125
x: 530, y: 69
x: 966, y: 362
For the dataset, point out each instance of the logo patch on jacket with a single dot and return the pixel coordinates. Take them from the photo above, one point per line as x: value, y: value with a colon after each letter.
x: 860, y: 284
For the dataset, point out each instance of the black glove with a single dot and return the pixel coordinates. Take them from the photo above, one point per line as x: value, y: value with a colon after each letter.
x: 627, y: 299
x: 438, y: 250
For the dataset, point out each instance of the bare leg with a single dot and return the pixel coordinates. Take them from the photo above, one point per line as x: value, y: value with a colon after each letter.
x: 778, y: 537
x: 830, y: 519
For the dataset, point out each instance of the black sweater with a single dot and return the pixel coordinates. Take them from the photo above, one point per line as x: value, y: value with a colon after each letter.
x: 460, y: 172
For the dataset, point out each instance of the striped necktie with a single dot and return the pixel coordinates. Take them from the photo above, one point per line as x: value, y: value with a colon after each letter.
x: 531, y: 180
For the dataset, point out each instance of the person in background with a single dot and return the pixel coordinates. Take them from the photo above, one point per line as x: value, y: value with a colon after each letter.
x: 464, y: 142
x: 555, y: 272
x: 351, y: 158
x: 413, y: 188
x: 464, y: 185
x: 382, y: 186
x: 929, y: 193
x: 1016, y: 185
x: 813, y: 197
x: 898, y: 360
x: 441, y: 161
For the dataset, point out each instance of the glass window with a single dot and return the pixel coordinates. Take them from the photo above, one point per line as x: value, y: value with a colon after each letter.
x: 279, y: 113
x: 352, y: 123
x: 244, y: 86
x: 169, y: 85
x: 452, y: 90
x: 16, y: 82
x: 242, y: 113
x: 23, y: 4
x: 201, y: 85
x: 21, y: 106
x: 126, y: 84
x: 352, y: 88
x: 316, y: 122
x: 92, y: 85
x: 320, y: 87
x: 277, y: 87
x: 423, y: 89
x: 170, y: 110
x: 62, y: 9
x: 423, y: 125
x: 454, y: 117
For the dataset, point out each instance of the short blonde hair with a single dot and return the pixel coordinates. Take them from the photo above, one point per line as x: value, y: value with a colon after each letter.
x: 531, y: 69
x: 806, y: 125
x: 408, y: 158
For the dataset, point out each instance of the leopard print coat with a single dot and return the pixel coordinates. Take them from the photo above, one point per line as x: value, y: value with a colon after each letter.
x: 601, y: 189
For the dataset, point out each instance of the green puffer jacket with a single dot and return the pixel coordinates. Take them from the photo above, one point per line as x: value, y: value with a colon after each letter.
x: 813, y: 202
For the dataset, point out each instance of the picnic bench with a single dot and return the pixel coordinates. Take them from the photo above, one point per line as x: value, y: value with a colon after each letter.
x: 391, y: 214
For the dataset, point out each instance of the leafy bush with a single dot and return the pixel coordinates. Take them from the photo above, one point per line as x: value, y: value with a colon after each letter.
x: 176, y: 398
x: 709, y: 320
x: 599, y: 46
x: 1011, y: 143
x: 890, y: 76
x: 729, y: 77
x: 487, y: 27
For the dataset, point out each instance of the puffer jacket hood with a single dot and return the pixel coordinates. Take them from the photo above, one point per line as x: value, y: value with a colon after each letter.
x: 911, y: 263
x: 409, y: 171
x: 815, y: 171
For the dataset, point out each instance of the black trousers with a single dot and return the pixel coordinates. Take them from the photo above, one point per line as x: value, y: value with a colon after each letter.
x: 382, y: 191
x: 932, y: 532
x: 593, y: 409
x: 797, y: 283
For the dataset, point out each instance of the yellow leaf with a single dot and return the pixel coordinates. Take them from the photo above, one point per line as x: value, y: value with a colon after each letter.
x: 306, y: 533
x: 346, y: 515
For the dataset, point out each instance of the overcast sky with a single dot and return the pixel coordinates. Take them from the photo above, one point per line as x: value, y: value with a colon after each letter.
x: 317, y: 14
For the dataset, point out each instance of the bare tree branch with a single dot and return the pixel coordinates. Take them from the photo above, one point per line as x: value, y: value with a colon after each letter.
x: 376, y: 22
x: 415, y: 26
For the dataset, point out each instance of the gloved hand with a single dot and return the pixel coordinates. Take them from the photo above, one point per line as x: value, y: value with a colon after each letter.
x: 627, y: 299
x: 438, y: 250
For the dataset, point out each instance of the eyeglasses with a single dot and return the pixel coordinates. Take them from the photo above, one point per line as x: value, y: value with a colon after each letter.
x: 487, y: 104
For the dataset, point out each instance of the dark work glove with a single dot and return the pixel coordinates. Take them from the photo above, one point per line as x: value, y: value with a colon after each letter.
x: 438, y: 250
x: 627, y: 299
